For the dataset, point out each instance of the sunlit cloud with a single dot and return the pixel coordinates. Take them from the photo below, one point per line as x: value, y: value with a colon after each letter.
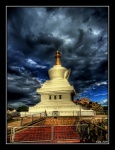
x: 96, y: 32
x: 100, y: 94
x: 104, y: 102
x: 101, y: 83
x: 30, y: 61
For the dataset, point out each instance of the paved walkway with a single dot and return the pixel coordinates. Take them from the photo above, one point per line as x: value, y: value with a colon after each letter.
x: 14, y: 124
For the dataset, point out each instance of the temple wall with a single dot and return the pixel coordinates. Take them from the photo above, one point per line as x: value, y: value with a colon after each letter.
x: 58, y: 113
x: 51, y: 96
x: 44, y: 97
x: 66, y: 97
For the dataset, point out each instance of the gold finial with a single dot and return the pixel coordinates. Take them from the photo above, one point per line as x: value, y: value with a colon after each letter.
x: 58, y: 56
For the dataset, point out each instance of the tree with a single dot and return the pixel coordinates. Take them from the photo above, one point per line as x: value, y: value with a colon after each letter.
x: 22, y: 108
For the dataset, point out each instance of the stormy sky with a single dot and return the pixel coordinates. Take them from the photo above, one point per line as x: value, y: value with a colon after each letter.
x: 33, y: 36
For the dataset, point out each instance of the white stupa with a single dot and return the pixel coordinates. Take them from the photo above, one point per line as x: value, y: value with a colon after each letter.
x: 57, y: 93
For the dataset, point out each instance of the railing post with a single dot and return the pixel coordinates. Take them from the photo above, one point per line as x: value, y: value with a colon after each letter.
x: 12, y: 134
x: 80, y: 111
x: 21, y: 121
x: 88, y: 130
x: 52, y: 133
x: 32, y: 118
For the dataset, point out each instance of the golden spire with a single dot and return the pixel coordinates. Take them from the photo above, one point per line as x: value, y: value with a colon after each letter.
x: 58, y: 56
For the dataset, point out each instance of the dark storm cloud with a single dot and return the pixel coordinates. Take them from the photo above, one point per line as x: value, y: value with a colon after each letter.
x: 22, y: 84
x: 22, y: 89
x: 45, y: 43
x: 80, y: 33
x: 15, y: 95
x: 43, y: 39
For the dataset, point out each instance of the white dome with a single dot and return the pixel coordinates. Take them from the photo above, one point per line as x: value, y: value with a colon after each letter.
x: 57, y: 71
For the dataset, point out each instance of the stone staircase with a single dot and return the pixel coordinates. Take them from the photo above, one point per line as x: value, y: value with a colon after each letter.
x: 60, y: 120
x: 62, y: 129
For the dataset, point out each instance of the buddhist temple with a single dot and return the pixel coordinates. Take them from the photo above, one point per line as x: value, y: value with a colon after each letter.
x: 57, y: 94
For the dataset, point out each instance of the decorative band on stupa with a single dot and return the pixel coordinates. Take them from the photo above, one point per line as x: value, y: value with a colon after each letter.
x: 58, y: 56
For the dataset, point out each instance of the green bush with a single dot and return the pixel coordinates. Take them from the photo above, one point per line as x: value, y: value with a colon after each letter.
x: 22, y: 108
